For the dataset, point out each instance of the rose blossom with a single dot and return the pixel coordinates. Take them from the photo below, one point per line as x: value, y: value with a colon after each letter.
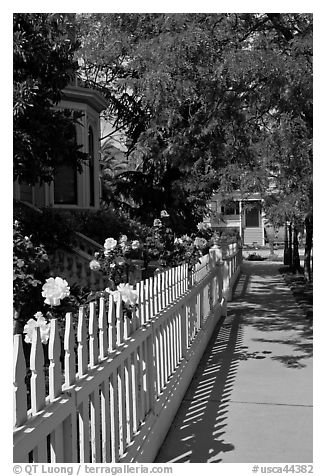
x: 164, y: 214
x: 135, y: 244
x: 110, y: 244
x: 200, y: 242
x: 186, y: 238
x: 157, y: 222
x: 128, y: 294
x: 120, y: 260
x: 94, y: 265
x: 54, y: 290
x: 31, y: 326
x: 123, y: 239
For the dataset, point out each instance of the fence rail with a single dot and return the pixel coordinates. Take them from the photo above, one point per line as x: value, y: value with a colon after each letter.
x: 114, y: 383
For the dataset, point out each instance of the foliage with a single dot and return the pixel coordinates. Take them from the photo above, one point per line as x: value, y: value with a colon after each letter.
x: 29, y: 265
x: 51, y: 228
x: 44, y: 64
x: 209, y: 101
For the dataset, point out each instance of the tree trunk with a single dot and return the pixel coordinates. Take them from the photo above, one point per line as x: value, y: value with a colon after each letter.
x: 290, y: 246
x: 308, y: 247
x: 286, y: 259
x: 296, y: 258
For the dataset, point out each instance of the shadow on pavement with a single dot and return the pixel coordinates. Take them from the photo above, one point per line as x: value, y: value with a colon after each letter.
x: 269, y: 306
x: 261, y: 299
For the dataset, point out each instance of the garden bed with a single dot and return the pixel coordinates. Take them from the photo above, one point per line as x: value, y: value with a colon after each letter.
x: 301, y: 290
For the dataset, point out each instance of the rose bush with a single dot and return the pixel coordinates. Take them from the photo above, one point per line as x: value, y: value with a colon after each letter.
x: 115, y: 261
x: 30, y: 263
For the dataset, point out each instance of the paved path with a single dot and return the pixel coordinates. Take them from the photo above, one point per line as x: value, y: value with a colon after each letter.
x: 251, y: 397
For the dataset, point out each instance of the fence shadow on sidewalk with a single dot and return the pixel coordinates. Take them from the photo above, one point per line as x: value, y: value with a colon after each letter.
x: 198, y: 428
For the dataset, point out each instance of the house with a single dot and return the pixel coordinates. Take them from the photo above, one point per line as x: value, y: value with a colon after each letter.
x: 242, y: 215
x: 71, y: 189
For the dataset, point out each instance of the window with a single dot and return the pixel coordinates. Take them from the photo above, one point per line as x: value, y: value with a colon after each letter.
x: 91, y: 167
x: 231, y: 208
x: 252, y: 217
x: 65, y: 183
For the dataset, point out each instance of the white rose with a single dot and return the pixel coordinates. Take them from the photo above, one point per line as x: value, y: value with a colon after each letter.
x: 157, y: 222
x: 110, y: 244
x: 31, y: 326
x: 94, y: 265
x: 128, y: 294
x: 135, y: 245
x: 54, y: 290
x: 123, y: 239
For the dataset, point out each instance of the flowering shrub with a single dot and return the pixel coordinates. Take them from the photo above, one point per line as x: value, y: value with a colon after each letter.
x: 162, y: 245
x: 159, y: 244
x: 29, y: 264
x: 115, y: 261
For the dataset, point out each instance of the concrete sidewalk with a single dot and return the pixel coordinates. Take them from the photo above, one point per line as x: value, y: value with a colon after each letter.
x: 251, y: 397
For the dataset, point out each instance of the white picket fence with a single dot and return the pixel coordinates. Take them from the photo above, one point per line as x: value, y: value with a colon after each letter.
x: 114, y: 383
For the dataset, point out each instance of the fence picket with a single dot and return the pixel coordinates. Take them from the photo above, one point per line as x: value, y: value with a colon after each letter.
x: 122, y: 409
x: 159, y: 291
x: 137, y: 317
x: 151, y: 297
x: 134, y: 390
x: 20, y: 392
x: 147, y: 306
x: 37, y: 378
x: 93, y: 335
x: 40, y: 452
x: 140, y: 382
x: 82, y: 343
x: 103, y: 330
x: 95, y: 422
x: 105, y: 422
x: 114, y: 417
x: 142, y: 303
x: 55, y: 371
x: 84, y: 440
x: 56, y: 445
x: 69, y: 348
x: 112, y: 337
x: 129, y: 407
x: 119, y: 321
x: 170, y: 284
x: 126, y: 327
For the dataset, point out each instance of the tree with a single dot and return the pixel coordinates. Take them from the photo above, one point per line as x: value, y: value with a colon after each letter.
x: 206, y: 100
x: 44, y: 63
